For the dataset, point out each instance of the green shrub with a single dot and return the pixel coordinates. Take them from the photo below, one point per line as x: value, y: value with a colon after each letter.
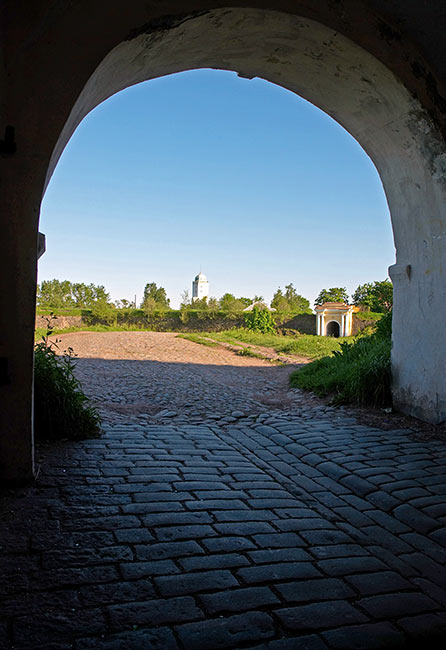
x: 384, y: 326
x: 259, y: 320
x: 104, y: 312
x: 61, y: 408
x: 358, y: 373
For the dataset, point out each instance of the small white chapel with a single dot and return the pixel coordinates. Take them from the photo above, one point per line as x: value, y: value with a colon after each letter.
x: 334, y: 319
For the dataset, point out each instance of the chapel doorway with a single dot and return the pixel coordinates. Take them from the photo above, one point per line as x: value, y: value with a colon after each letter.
x: 333, y: 329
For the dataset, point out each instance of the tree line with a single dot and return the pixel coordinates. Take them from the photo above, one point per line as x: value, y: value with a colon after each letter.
x: 372, y: 296
x: 55, y: 294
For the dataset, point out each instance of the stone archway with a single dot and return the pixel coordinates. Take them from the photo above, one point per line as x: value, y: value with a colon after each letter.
x: 312, y: 58
x: 333, y: 329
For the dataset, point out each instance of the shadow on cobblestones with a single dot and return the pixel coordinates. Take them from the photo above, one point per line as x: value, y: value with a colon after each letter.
x: 144, y: 389
x: 277, y: 533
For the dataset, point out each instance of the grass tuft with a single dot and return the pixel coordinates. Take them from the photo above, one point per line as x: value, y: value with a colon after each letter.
x: 196, y: 338
x: 247, y: 352
x: 304, y: 345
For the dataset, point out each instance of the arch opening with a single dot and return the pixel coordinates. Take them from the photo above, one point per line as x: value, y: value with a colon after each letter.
x: 311, y: 59
x: 220, y: 176
x: 360, y: 93
x: 333, y: 329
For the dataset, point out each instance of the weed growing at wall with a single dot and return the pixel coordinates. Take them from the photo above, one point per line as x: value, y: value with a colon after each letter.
x: 358, y: 373
x: 61, y: 408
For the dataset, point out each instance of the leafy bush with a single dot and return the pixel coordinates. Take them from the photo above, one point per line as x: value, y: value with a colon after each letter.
x: 259, y: 320
x: 104, y: 312
x: 232, y: 305
x: 61, y: 408
x: 290, y: 301
x: 358, y: 373
x: 384, y: 326
x: 376, y: 296
x: 334, y: 294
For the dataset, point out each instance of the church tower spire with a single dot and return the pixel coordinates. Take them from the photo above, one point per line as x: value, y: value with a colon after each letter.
x: 200, y: 287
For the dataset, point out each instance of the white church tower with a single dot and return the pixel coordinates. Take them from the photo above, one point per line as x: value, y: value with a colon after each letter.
x: 200, y: 287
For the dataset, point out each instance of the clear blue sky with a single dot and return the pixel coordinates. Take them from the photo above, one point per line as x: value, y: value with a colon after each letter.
x: 204, y: 170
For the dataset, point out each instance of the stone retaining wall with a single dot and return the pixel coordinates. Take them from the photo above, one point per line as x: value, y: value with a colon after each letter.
x: 61, y: 323
x: 194, y: 321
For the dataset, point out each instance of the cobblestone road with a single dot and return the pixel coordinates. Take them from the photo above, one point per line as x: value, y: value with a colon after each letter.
x: 273, y: 530
x: 148, y: 377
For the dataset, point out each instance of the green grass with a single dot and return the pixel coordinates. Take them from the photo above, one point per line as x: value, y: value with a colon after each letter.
x: 39, y: 331
x: 242, y: 352
x: 247, y: 352
x: 368, y: 315
x: 304, y: 345
x: 67, y: 311
x: 358, y: 373
x: 197, y: 338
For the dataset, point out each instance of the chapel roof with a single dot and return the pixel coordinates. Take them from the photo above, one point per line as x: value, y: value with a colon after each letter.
x: 333, y: 305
